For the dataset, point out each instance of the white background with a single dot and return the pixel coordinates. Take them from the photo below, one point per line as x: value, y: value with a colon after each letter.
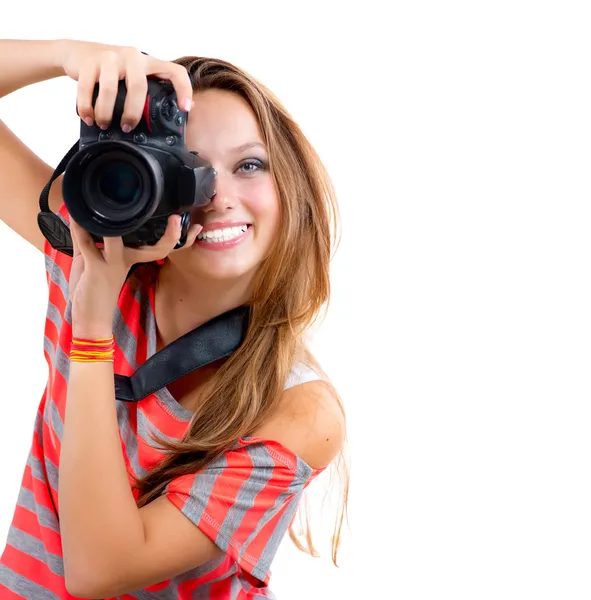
x: 458, y: 137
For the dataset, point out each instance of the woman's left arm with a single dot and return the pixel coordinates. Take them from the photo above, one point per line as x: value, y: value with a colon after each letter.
x: 98, y: 514
x: 99, y: 520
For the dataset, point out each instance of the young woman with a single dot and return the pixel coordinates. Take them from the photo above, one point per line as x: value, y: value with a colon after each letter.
x: 188, y: 492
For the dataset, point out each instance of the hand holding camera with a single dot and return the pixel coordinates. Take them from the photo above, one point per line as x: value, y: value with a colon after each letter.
x: 89, y: 63
x: 131, y: 170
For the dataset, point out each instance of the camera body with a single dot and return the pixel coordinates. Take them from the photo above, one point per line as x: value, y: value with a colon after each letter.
x: 128, y: 184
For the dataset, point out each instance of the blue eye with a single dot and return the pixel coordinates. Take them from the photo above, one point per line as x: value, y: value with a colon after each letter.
x: 254, y: 166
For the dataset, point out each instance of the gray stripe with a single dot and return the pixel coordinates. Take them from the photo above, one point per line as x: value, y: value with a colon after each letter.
x: 125, y: 339
x: 144, y: 426
x: 268, y: 554
x: 261, y: 474
x: 202, y: 592
x: 166, y: 399
x: 45, y: 471
x: 62, y: 363
x: 201, y: 491
x: 53, y: 314
x: 50, y: 349
x: 296, y: 487
x: 52, y: 474
x: 129, y: 438
x: 27, y: 544
x: 56, y: 422
x: 26, y: 500
x: 23, y: 586
x: 57, y: 276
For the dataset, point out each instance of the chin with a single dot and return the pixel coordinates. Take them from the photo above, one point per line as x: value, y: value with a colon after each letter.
x: 215, y: 268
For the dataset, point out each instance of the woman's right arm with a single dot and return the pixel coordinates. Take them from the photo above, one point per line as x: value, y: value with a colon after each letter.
x: 22, y: 173
x: 22, y: 62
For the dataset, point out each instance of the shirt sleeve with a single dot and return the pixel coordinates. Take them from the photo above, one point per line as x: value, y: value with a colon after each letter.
x: 245, y: 501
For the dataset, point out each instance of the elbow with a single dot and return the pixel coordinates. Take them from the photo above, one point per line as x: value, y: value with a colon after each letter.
x: 81, y: 589
x: 89, y: 590
x: 90, y: 584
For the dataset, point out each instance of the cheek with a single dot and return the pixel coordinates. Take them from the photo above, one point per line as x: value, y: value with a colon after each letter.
x: 263, y: 204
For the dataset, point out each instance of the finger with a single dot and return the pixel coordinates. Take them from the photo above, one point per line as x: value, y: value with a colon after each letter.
x: 178, y: 76
x: 114, y: 250
x: 192, y: 234
x: 86, y: 81
x: 75, y: 248
x: 108, y: 87
x: 171, y: 236
x: 137, y: 90
x: 85, y: 243
x: 163, y: 247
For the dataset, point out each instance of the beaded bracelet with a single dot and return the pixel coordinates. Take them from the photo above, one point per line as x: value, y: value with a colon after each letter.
x: 98, y: 350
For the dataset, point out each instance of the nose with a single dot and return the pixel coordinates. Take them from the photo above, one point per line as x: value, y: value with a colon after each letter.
x: 225, y: 195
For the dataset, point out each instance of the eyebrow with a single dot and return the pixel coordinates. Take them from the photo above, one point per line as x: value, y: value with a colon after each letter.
x: 247, y: 146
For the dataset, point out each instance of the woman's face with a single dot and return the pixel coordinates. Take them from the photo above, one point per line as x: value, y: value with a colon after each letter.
x: 240, y: 223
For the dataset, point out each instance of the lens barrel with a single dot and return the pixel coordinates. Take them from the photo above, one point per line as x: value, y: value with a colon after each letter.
x: 112, y: 188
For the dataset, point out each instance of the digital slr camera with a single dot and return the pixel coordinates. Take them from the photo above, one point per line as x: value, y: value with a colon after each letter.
x: 128, y: 184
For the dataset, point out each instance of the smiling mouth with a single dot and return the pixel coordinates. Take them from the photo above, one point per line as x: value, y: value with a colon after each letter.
x: 225, y: 234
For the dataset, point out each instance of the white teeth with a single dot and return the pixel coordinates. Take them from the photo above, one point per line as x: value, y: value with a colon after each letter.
x: 222, y: 235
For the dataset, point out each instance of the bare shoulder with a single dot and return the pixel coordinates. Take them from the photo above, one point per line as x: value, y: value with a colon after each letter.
x: 310, y: 422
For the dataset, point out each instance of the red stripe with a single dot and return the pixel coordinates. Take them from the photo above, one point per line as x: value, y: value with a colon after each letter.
x: 35, y: 571
x: 132, y: 411
x: 56, y: 297
x: 51, y: 444
x: 219, y: 589
x: 163, y: 420
x: 258, y: 544
x: 6, y: 594
x: 228, y: 484
x: 147, y: 113
x: 187, y: 588
x: 39, y: 490
x: 51, y: 332
x: 27, y: 522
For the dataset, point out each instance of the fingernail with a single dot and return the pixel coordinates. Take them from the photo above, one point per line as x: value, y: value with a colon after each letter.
x: 126, y: 128
x: 88, y: 121
x: 188, y: 104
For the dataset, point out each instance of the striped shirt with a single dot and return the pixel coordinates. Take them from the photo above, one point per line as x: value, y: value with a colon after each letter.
x: 244, y: 501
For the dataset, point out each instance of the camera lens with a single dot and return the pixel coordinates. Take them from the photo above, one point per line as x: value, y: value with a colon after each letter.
x: 112, y: 188
x: 116, y: 187
x: 120, y: 183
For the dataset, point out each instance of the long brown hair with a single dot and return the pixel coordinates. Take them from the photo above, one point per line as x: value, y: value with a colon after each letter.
x: 291, y: 291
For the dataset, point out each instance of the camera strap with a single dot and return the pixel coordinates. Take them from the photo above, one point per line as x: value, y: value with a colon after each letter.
x: 56, y: 232
x: 215, y: 339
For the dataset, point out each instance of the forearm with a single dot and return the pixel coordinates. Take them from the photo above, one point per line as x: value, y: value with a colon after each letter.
x: 99, y: 518
x: 23, y: 62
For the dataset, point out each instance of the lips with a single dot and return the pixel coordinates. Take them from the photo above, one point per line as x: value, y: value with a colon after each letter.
x: 223, y: 238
